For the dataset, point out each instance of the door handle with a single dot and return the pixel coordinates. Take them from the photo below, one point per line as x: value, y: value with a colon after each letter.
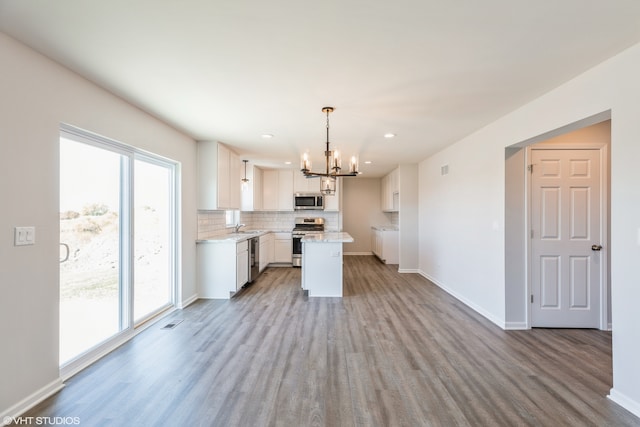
x: 66, y: 257
x: 596, y: 247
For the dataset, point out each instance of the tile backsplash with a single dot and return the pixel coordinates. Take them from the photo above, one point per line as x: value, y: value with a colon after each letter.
x: 212, y: 223
x: 394, y: 218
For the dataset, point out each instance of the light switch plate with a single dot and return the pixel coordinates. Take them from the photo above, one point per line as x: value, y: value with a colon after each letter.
x: 24, y: 236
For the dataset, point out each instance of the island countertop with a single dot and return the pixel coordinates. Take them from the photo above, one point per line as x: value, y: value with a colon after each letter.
x: 329, y: 237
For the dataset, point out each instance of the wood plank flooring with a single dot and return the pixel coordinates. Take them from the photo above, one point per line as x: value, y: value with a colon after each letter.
x: 395, y: 351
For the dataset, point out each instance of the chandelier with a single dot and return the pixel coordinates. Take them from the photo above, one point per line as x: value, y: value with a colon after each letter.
x: 333, y: 165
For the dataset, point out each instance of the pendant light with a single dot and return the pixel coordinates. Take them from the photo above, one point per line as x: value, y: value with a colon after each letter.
x: 245, y: 180
x: 333, y: 163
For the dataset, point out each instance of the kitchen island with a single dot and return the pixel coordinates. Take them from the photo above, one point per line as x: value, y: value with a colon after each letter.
x: 322, y: 263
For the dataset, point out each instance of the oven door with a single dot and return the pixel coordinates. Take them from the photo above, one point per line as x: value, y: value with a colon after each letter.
x: 296, y: 252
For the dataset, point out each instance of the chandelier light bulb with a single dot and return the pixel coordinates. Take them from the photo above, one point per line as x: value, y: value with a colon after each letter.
x: 353, y: 165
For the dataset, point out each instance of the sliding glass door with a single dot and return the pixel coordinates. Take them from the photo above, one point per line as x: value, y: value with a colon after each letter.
x: 117, y: 240
x: 90, y: 232
x: 153, y: 260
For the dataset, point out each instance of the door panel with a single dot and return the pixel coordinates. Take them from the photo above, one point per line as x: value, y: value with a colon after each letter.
x: 550, y: 213
x: 90, y: 225
x: 580, y: 202
x: 579, y: 282
x: 565, y: 219
x: 550, y: 282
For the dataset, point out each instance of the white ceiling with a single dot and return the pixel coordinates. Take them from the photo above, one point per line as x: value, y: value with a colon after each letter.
x: 430, y: 71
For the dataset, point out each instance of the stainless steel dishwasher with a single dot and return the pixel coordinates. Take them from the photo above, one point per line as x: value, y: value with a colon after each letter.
x: 254, y: 258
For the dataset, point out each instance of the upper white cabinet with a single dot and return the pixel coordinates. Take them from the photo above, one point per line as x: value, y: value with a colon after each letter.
x: 277, y: 186
x: 219, y: 182
x: 333, y: 203
x: 302, y: 184
x: 390, y: 192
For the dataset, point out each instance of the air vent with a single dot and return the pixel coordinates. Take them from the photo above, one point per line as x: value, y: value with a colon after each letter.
x: 172, y: 325
x: 444, y: 170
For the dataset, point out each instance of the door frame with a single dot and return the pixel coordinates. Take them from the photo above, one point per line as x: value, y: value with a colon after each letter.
x: 128, y: 328
x: 605, y: 285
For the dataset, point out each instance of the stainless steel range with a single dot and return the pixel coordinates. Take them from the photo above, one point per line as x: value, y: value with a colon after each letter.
x: 304, y: 226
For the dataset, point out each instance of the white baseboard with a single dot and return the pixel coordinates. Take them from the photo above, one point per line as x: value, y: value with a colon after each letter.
x: 624, y: 401
x: 515, y: 326
x: 500, y: 323
x: 357, y: 253
x: 409, y: 270
x: 29, y: 402
x: 188, y: 302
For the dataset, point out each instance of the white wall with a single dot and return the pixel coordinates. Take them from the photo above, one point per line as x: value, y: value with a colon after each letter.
x: 408, y: 223
x: 36, y: 96
x: 362, y: 208
x: 462, y: 214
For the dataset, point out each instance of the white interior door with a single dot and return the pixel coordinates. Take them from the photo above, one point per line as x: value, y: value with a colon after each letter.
x: 566, y: 231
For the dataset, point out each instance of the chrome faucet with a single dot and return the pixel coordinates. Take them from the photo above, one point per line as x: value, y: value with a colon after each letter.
x: 237, y: 226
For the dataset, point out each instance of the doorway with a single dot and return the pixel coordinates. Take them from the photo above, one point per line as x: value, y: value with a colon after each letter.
x: 592, y: 132
x: 118, y: 268
x: 566, y: 236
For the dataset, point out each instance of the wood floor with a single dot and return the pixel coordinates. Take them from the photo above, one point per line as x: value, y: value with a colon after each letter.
x: 395, y: 351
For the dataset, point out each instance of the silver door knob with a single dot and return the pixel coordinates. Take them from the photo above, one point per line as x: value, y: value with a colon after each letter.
x: 596, y: 247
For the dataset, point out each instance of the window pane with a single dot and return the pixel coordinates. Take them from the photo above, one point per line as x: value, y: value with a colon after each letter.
x: 90, y: 228
x: 152, y: 243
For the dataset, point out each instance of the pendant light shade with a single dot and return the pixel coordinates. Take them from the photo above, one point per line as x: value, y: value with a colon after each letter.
x: 328, y: 185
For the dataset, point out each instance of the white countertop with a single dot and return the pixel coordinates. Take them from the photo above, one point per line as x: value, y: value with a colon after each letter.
x: 329, y: 237
x: 388, y: 227
x: 238, y: 237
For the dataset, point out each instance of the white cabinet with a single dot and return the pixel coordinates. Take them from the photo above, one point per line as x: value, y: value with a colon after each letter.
x: 277, y: 194
x: 384, y: 245
x: 234, y: 181
x: 266, y: 250
x: 252, y: 194
x: 283, y: 247
x: 322, y: 266
x: 242, y: 264
x: 222, y: 268
x: 333, y: 203
x: 218, y: 177
x: 390, y: 191
x: 301, y: 184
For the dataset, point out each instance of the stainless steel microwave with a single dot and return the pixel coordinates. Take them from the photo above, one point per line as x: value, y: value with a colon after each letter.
x: 308, y: 201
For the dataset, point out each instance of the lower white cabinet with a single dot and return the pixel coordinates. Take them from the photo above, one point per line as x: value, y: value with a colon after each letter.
x: 242, y: 264
x: 384, y: 245
x: 223, y: 268
x: 282, y: 248
x: 266, y: 250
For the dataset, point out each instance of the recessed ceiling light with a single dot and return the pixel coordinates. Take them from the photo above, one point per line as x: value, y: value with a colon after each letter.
x: 267, y: 135
x: 389, y: 135
x: 287, y: 163
x: 367, y: 162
